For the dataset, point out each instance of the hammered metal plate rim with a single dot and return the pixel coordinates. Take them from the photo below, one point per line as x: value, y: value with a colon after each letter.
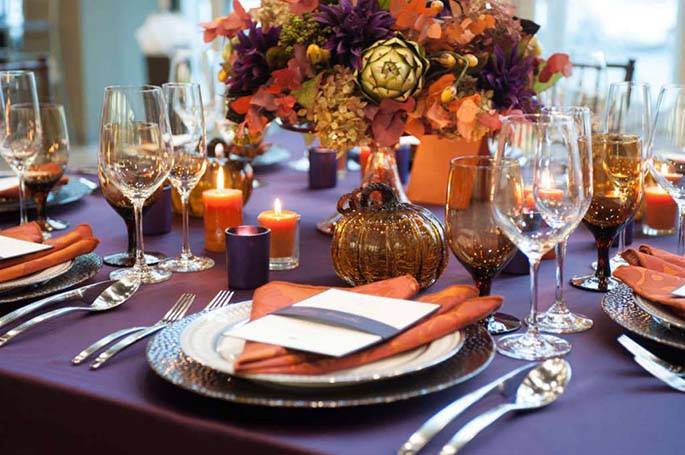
x: 73, y: 191
x: 619, y: 304
x: 166, y: 359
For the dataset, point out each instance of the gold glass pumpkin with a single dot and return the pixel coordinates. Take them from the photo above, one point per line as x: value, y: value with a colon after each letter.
x: 237, y: 171
x: 379, y: 237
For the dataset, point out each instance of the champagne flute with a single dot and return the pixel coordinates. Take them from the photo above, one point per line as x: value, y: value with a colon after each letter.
x: 537, y: 203
x: 184, y: 108
x: 558, y: 318
x: 47, y: 166
x: 19, y: 126
x: 474, y: 238
x: 136, y: 155
x: 619, y: 164
x: 667, y: 149
x: 124, y: 208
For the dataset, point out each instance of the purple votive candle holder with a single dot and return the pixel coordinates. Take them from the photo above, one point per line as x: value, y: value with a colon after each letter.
x: 323, y: 168
x: 403, y: 156
x: 247, y: 256
x: 157, y: 218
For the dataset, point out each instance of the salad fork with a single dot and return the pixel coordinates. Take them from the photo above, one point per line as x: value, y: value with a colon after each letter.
x: 176, y: 313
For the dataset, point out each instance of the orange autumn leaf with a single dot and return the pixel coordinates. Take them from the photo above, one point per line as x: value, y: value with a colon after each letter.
x: 415, y: 127
x: 415, y: 15
x: 484, y: 22
x: 241, y: 105
x: 438, y: 116
x: 441, y: 84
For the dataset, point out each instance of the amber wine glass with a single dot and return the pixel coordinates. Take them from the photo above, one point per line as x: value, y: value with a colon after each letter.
x: 474, y: 237
x: 47, y: 166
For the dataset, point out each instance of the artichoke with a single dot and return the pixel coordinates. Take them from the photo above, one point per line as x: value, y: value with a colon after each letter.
x: 393, y: 68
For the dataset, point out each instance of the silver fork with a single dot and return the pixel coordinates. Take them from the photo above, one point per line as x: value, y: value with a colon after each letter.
x: 176, y: 312
x: 220, y: 300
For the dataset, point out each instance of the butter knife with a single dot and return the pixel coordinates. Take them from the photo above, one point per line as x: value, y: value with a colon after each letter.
x: 86, y: 293
x: 661, y: 373
x: 505, y: 384
x: 638, y: 350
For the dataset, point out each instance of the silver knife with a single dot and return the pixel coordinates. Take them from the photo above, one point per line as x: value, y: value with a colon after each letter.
x: 506, y: 385
x: 659, y: 372
x: 638, y: 350
x: 86, y: 293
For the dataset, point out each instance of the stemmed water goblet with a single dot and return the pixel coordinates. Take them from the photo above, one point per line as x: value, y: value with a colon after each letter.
x: 667, y: 149
x: 20, y: 128
x: 537, y: 202
x: 558, y: 318
x: 136, y: 156
x: 619, y: 163
x: 186, y: 118
x: 474, y: 237
x: 47, y: 166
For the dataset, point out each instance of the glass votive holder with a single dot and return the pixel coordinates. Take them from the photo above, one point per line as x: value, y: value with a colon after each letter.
x: 284, y: 253
x: 660, y: 212
x: 323, y: 168
x: 247, y: 256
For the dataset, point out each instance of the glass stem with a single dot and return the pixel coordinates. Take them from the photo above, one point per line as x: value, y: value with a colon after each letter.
x: 185, y: 249
x: 559, y: 302
x: 681, y: 229
x: 622, y: 239
x: 603, y: 272
x: 40, y: 200
x: 23, y: 217
x: 138, y: 213
x: 533, y: 317
x: 131, y: 231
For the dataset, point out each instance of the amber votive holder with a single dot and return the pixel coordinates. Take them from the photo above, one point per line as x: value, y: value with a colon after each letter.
x: 284, y: 252
x: 247, y: 256
x: 323, y: 168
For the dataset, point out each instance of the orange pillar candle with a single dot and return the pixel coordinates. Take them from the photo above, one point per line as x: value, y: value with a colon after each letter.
x: 660, y: 211
x: 223, y: 208
x: 285, y: 236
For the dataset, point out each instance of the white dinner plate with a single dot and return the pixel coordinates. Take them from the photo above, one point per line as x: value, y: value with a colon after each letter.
x: 204, y: 342
x: 660, y: 313
x: 36, y: 278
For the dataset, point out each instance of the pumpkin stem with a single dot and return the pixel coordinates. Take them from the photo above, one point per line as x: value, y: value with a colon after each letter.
x: 388, y: 196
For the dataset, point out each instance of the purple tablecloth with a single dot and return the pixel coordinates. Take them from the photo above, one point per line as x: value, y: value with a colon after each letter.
x: 49, y: 406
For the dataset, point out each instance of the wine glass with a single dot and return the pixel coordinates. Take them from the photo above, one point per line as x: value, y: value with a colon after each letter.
x: 537, y: 203
x: 619, y: 164
x: 184, y: 109
x: 47, y: 166
x: 558, y: 318
x: 19, y: 126
x: 136, y: 155
x: 124, y: 208
x: 667, y: 149
x: 474, y: 238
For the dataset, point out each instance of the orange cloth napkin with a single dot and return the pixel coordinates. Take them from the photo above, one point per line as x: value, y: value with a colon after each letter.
x: 654, y: 274
x: 459, y: 307
x: 28, y: 231
x: 13, y: 192
x: 65, y: 248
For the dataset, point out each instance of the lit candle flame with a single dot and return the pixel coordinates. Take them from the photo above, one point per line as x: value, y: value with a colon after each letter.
x: 220, y: 179
x: 277, y: 207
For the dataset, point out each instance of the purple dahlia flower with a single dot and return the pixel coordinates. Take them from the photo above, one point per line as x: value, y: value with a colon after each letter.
x: 508, y: 75
x: 251, y: 70
x: 354, y: 28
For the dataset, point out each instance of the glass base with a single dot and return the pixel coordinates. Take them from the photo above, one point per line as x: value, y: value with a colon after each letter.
x: 288, y: 263
x: 500, y: 323
x: 146, y: 275
x: 56, y: 225
x: 124, y: 260
x: 327, y: 225
x: 530, y: 346
x: 653, y: 232
x: 552, y: 321
x: 189, y: 264
x: 591, y: 283
x: 614, y: 263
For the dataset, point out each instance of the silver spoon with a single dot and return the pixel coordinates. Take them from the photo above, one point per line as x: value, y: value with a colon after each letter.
x: 543, y: 385
x: 110, y: 298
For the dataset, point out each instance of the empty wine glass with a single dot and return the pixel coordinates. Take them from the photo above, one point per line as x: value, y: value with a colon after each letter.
x: 20, y: 128
x: 537, y: 203
x: 186, y: 118
x: 136, y: 155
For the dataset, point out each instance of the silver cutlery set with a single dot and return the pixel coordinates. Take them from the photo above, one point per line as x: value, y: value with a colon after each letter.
x: 672, y: 375
x: 104, y: 296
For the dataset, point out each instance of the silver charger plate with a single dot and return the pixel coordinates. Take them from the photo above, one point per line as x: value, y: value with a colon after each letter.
x: 660, y: 313
x: 166, y: 358
x: 620, y: 305
x: 36, y: 278
x: 204, y: 342
x: 74, y: 190
x: 84, y: 268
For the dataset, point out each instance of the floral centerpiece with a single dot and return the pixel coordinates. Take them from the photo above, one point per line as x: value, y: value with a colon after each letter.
x: 366, y: 72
